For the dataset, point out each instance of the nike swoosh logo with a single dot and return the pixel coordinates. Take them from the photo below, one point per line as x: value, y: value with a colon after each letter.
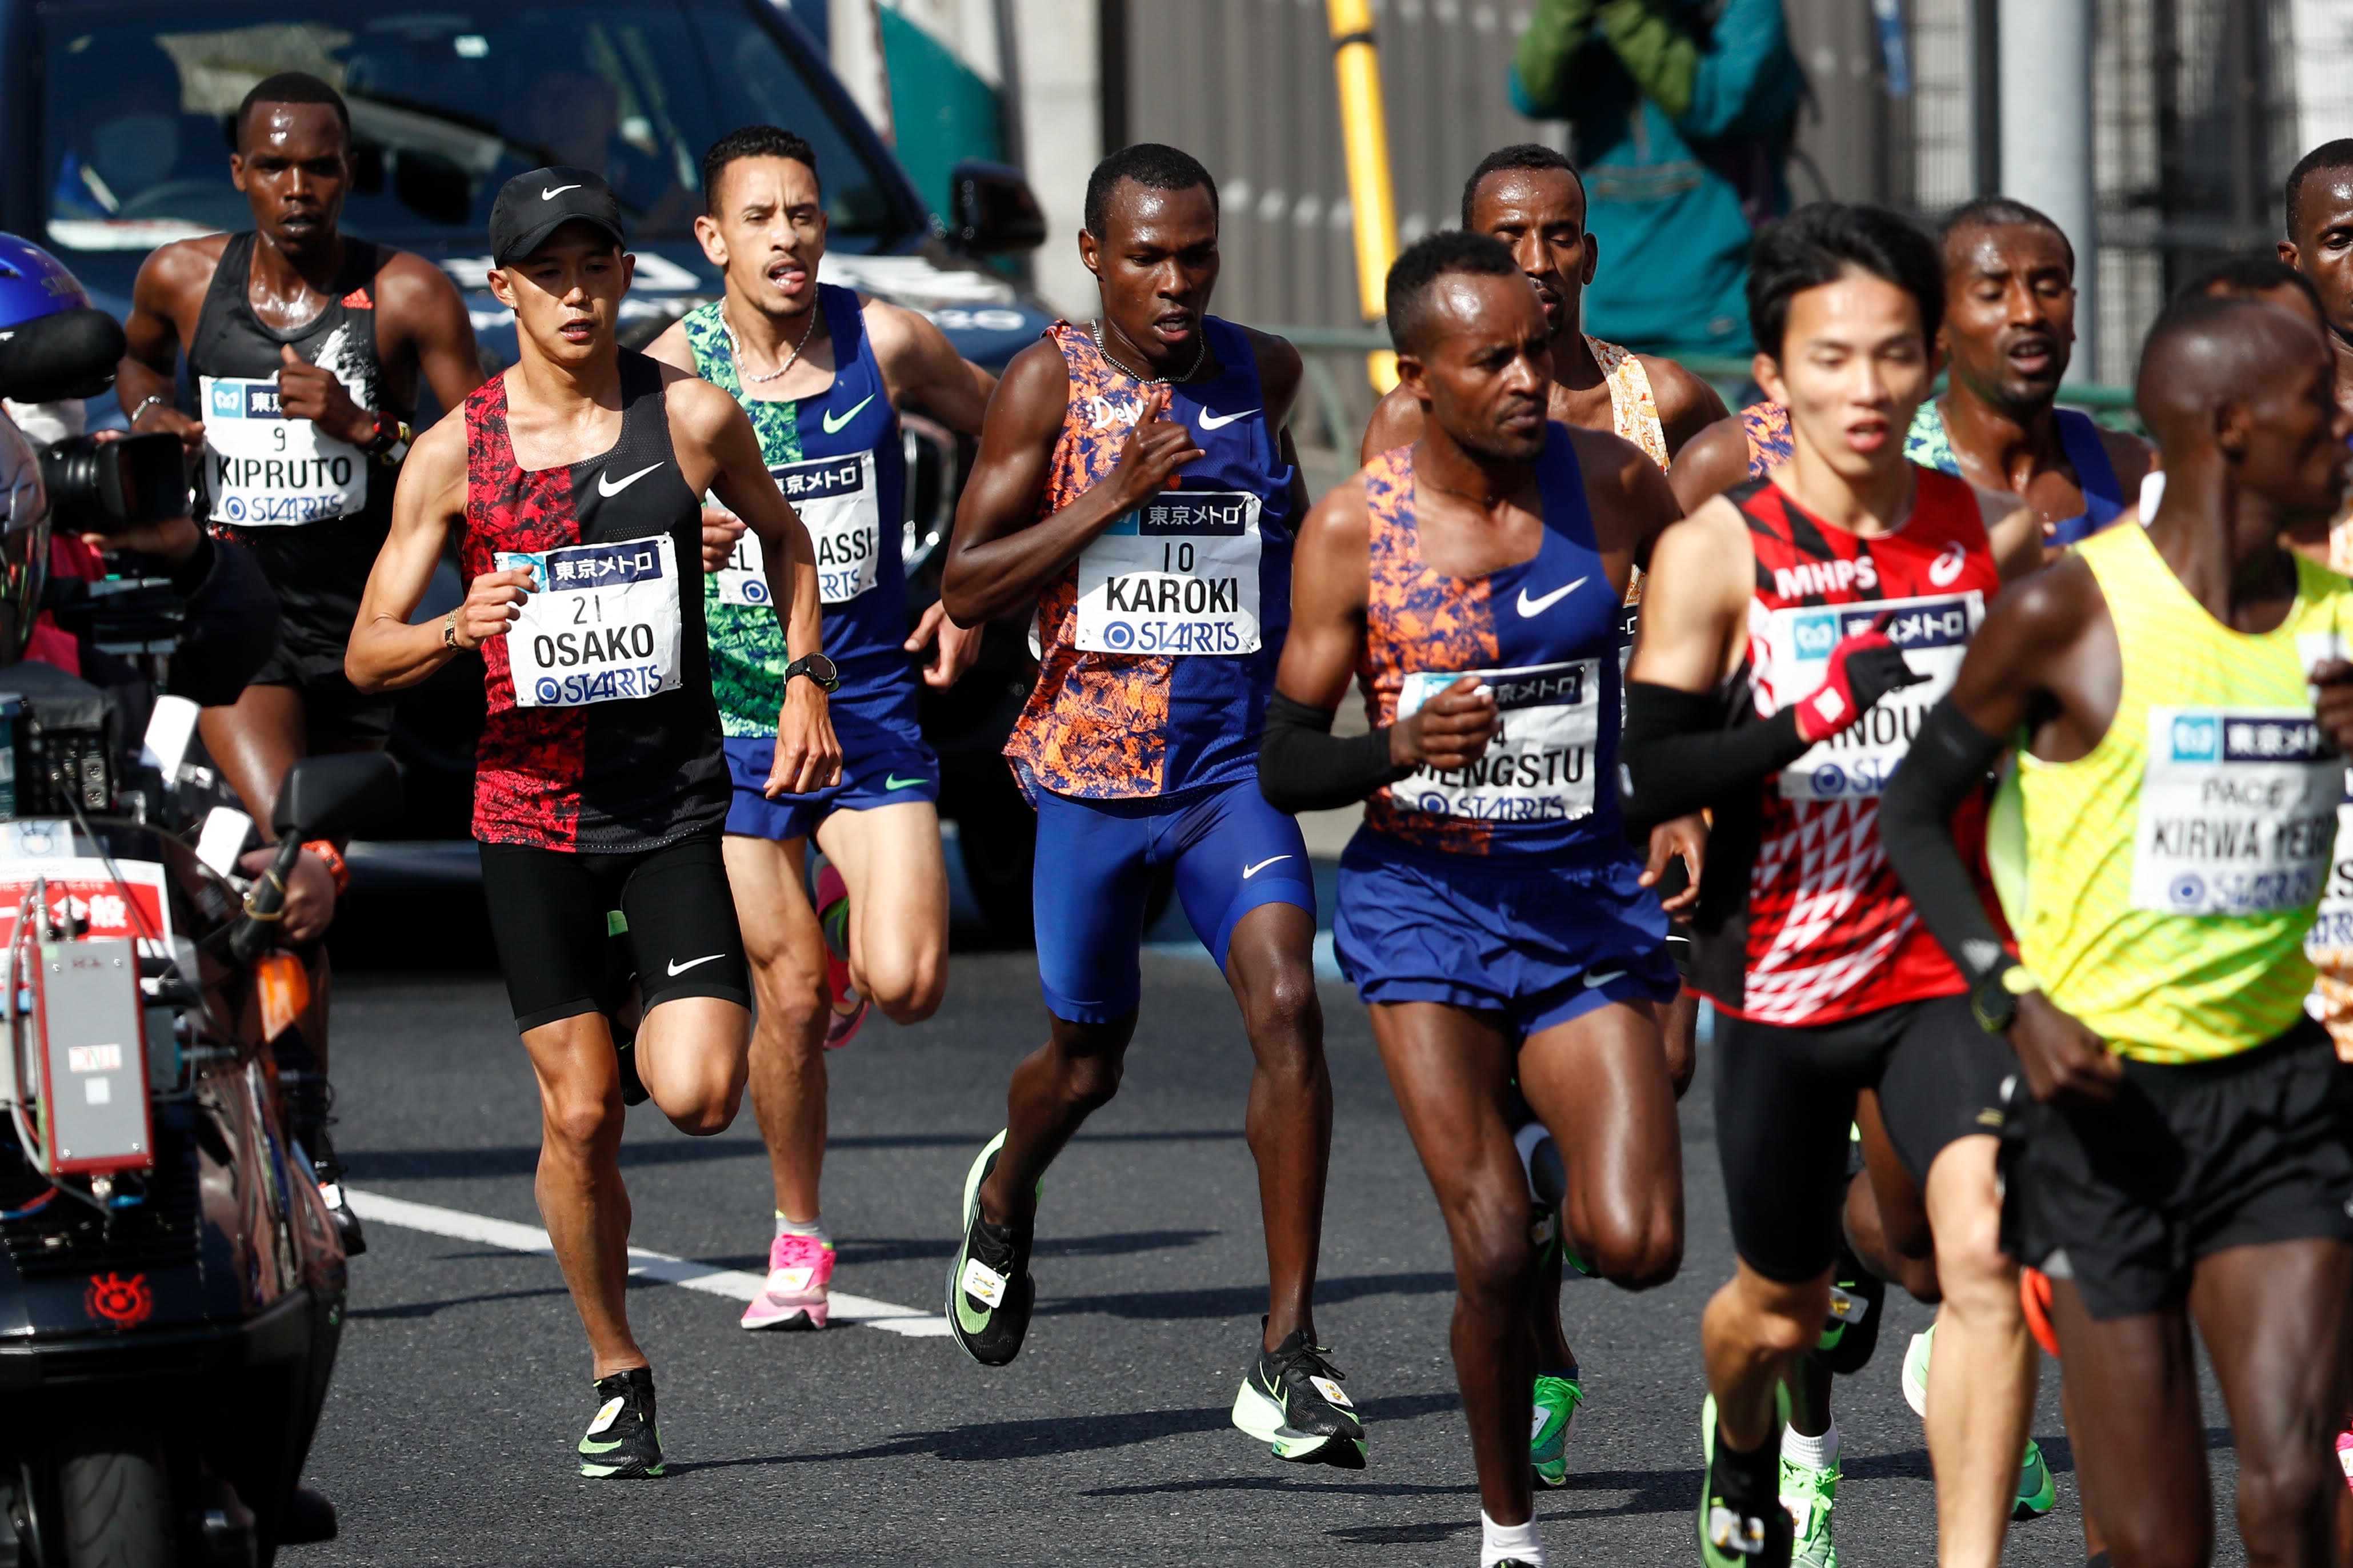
x: 1538, y: 606
x: 1220, y: 421
x: 547, y: 196
x: 606, y: 485
x: 893, y: 781
x: 1595, y: 982
x: 832, y: 426
x: 1249, y: 871
x: 677, y: 969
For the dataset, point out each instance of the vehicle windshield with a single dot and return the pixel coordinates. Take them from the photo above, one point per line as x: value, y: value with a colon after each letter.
x: 446, y: 104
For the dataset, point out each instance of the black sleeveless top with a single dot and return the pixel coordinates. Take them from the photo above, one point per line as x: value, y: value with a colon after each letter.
x: 317, y: 567
x: 602, y: 735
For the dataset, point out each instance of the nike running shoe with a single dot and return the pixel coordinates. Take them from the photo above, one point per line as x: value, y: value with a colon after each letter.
x: 800, y: 1274
x: 989, y: 1289
x: 831, y: 900
x: 1291, y: 1401
x: 1915, y: 1371
x: 1556, y: 1399
x: 840, y: 1027
x: 621, y: 1443
x: 1851, y: 1331
x: 1736, y: 1532
x: 2037, y: 1493
x: 1808, y: 1494
x: 2345, y: 1454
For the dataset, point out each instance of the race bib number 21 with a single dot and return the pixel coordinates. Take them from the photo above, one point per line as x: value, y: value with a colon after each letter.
x: 600, y: 625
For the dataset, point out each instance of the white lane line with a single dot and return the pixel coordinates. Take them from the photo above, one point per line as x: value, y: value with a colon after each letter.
x: 732, y: 1283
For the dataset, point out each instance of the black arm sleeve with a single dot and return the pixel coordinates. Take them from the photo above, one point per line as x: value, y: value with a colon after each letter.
x: 1675, y: 757
x: 1949, y: 759
x: 1302, y: 766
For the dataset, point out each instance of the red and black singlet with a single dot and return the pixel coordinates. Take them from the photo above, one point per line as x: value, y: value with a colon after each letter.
x: 613, y: 744
x: 1830, y: 934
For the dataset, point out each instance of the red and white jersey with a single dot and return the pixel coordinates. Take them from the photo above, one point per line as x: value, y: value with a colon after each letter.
x: 1830, y: 933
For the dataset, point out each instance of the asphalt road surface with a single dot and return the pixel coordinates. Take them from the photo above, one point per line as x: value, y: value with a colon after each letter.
x: 464, y: 1378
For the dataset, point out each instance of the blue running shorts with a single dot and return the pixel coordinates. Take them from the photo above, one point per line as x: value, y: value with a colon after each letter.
x: 883, y: 762
x: 1096, y: 859
x: 1541, y: 941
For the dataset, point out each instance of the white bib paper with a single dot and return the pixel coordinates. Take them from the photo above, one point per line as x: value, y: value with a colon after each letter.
x: 263, y: 470
x: 1858, y: 762
x: 2238, y: 810
x: 1178, y: 574
x: 601, y: 624
x: 843, y: 509
x: 1539, y: 766
x: 2332, y: 928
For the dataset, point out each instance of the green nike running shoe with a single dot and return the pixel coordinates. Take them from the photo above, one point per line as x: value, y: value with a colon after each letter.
x: 1736, y: 1532
x: 1556, y: 1399
x: 1851, y: 1331
x: 2037, y: 1492
x: 1290, y: 1400
x: 1808, y: 1494
x: 621, y: 1443
x: 989, y: 1289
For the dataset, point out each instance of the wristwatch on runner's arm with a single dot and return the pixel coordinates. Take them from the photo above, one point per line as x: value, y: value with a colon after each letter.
x: 392, y: 438
x: 1993, y: 1000
x: 819, y: 668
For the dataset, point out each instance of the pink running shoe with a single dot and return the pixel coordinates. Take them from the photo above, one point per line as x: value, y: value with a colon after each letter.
x: 840, y: 1027
x: 2345, y: 1454
x: 800, y: 1270
x: 831, y: 901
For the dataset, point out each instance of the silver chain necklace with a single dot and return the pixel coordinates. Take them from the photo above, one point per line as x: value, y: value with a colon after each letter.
x: 1200, y: 352
x: 790, y: 360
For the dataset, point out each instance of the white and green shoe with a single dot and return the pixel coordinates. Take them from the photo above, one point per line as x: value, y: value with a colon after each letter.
x: 1555, y: 1402
x: 1809, y: 1493
x: 2037, y: 1494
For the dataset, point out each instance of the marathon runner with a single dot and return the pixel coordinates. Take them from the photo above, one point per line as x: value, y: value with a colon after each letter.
x: 1532, y: 199
x: 305, y: 347
x: 1491, y: 913
x: 1136, y: 482
x: 2183, y: 1151
x: 577, y: 477
x: 2010, y: 331
x: 1777, y: 618
x: 2319, y: 244
x: 821, y: 372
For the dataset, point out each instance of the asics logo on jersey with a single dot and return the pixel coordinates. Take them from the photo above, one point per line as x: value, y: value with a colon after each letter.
x: 1537, y: 606
x: 833, y: 425
x: 1825, y: 578
x: 1249, y: 871
x: 1220, y: 421
x: 607, y: 486
x: 548, y: 195
x: 1946, y: 570
x: 677, y: 969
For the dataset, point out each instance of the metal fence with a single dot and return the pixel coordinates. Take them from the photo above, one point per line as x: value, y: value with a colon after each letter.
x: 2201, y: 106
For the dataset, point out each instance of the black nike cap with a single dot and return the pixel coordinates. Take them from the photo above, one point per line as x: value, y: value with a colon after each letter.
x: 533, y: 205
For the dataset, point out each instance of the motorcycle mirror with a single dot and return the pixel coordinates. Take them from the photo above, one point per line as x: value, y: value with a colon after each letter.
x: 331, y: 797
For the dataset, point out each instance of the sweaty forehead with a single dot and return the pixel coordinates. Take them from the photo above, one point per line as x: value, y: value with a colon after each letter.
x: 1997, y: 249
x: 1167, y: 219
x: 1485, y: 305
x: 293, y: 127
x: 2325, y: 200
x: 1545, y: 195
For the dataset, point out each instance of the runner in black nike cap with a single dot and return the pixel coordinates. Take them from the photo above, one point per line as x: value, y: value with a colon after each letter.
x: 577, y: 478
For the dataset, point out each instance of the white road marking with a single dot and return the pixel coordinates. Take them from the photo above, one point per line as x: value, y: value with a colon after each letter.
x: 732, y: 1283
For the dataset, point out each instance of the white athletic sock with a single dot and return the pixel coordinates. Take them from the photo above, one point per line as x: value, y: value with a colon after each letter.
x: 1508, y: 1543
x: 814, y: 1227
x: 1815, y: 1452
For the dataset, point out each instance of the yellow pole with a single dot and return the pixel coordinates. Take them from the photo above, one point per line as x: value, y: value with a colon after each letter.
x: 1363, y: 131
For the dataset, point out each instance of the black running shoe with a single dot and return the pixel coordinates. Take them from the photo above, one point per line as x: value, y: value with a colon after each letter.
x: 1291, y: 1401
x: 989, y: 1289
x: 310, y: 1111
x: 622, y: 1443
x: 1742, y: 1523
